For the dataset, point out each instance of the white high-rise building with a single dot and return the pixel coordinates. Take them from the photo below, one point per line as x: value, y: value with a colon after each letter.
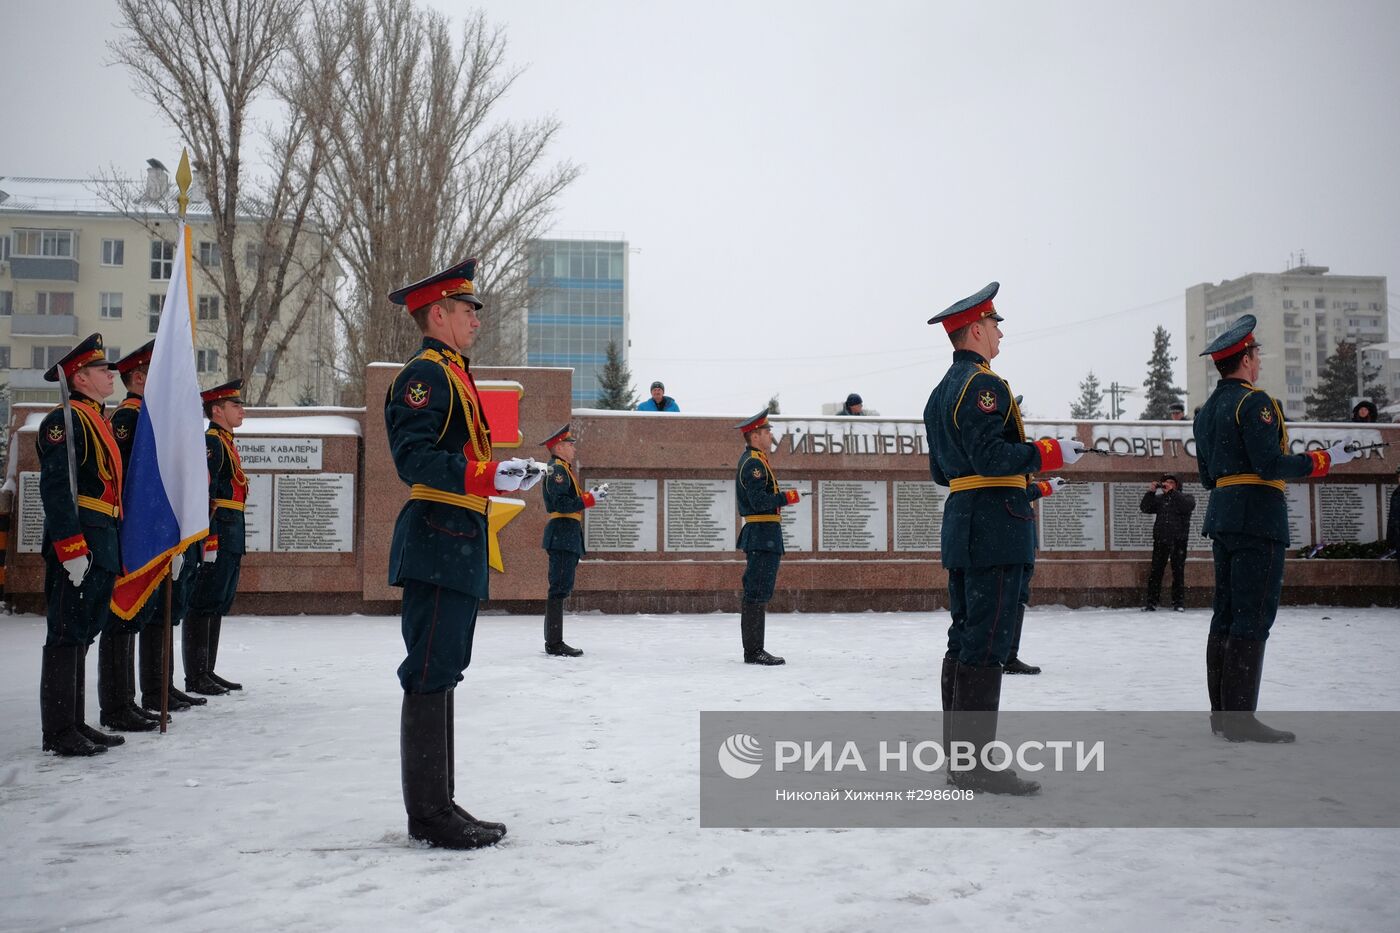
x: 71, y: 263
x: 1303, y: 313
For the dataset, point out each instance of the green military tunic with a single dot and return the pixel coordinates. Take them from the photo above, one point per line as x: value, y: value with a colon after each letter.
x: 1243, y: 459
x: 441, y: 445
x: 759, y: 500
x: 977, y: 446
x: 565, y: 501
x: 89, y: 526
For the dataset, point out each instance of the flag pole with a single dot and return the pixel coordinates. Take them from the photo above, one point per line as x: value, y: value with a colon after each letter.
x: 182, y: 181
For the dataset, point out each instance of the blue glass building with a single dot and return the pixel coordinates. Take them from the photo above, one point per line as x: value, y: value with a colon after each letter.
x: 578, y: 304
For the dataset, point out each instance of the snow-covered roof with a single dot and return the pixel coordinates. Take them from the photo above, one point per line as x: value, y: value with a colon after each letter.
x: 76, y: 196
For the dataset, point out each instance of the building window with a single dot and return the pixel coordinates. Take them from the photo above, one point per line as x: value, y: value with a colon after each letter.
x: 114, y: 354
x: 4, y: 247
x: 7, y: 304
x: 4, y: 357
x: 44, y: 357
x: 264, y: 361
x: 208, y: 307
x: 114, y: 252
x: 162, y: 260
x: 53, y: 302
x: 111, y: 304
x: 209, y: 256
x: 206, y: 361
x: 250, y: 256
x: 44, y: 244
x: 1319, y: 302
x: 153, y: 308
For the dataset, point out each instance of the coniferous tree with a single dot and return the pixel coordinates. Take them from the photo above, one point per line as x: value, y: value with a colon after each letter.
x: 616, y: 382
x: 1090, y: 402
x: 1160, y: 391
x: 773, y: 405
x: 1336, y: 386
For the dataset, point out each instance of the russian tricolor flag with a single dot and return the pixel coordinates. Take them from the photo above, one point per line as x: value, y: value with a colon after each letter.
x: 166, y: 496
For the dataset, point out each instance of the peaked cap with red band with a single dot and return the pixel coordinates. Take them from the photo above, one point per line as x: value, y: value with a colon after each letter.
x: 229, y: 390
x: 88, y: 352
x: 453, y: 282
x: 559, y: 437
x: 759, y: 420
x: 135, y: 359
x: 970, y: 310
x: 1239, y: 336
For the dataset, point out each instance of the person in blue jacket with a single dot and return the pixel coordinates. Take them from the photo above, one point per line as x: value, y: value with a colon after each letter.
x: 659, y: 400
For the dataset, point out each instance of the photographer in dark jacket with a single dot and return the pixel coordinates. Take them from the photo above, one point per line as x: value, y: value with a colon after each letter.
x: 1173, y: 509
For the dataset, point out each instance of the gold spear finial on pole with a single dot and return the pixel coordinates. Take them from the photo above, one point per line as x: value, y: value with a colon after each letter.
x: 182, y: 179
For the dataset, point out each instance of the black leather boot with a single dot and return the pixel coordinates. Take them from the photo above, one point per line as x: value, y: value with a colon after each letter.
x: 945, y: 683
x: 1239, y: 692
x: 195, y: 645
x: 216, y: 625
x: 976, y: 699
x: 96, y: 736
x: 498, y: 828
x: 554, y: 630
x: 152, y: 644
x: 1015, y: 665
x: 1215, y: 664
x: 57, y: 694
x: 753, y: 619
x: 423, y: 759
x: 113, y: 669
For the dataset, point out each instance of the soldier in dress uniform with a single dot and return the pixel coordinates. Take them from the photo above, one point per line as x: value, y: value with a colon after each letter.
x: 150, y: 622
x: 116, y: 649
x: 80, y: 486
x: 978, y: 448
x: 441, y: 445
x: 1242, y: 454
x: 563, y: 534
x: 216, y: 582
x: 761, y: 538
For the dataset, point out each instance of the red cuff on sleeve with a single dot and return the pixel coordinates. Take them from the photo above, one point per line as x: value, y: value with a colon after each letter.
x: 211, y: 543
x: 791, y: 495
x: 589, y: 501
x: 480, y: 478
x: 1045, y: 488
x: 69, y: 548
x: 1051, y: 458
x: 1321, y: 462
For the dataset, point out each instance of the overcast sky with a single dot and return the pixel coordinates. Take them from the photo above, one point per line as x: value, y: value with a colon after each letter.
x: 804, y: 184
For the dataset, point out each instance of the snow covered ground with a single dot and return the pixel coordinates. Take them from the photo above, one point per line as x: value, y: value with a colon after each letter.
x: 279, y: 808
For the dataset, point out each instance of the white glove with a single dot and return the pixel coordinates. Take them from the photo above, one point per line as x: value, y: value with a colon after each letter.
x: 1070, y: 450
x: 211, y: 554
x: 510, y: 474
x: 1339, y: 454
x: 177, y: 563
x: 1056, y: 484
x: 77, y: 568
x: 534, y: 472
x: 599, y: 493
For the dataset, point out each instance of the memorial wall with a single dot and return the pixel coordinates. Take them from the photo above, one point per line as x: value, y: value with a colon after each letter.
x: 865, y: 535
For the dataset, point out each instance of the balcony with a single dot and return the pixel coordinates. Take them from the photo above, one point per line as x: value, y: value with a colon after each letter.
x: 49, y: 269
x: 44, y: 325
x: 28, y: 379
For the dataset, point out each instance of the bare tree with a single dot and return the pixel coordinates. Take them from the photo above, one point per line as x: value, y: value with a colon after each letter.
x: 205, y: 64
x: 416, y: 175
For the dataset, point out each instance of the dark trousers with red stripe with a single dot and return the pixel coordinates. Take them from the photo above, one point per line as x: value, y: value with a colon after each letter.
x: 983, y: 602
x: 1248, y: 581
x: 438, y: 627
